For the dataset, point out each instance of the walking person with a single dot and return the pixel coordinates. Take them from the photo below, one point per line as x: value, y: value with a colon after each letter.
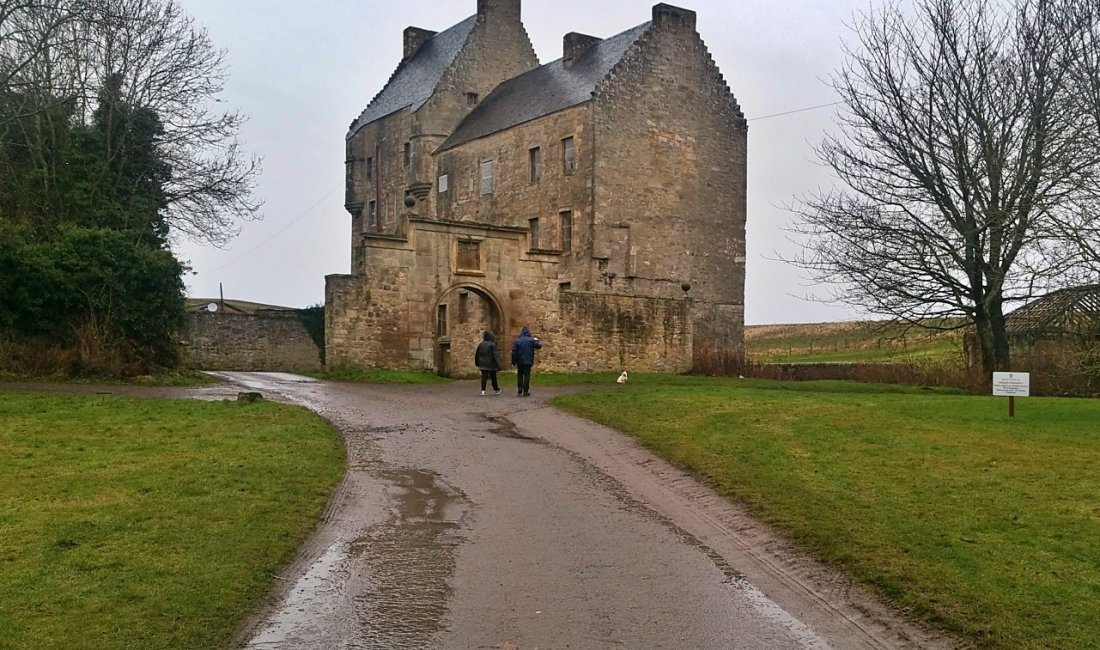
x: 487, y: 360
x: 523, y: 357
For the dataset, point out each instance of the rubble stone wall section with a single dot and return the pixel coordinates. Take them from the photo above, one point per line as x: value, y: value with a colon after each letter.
x: 269, y: 340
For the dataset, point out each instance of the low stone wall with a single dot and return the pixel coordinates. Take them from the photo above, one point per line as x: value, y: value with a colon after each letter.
x: 611, y: 332
x: 269, y: 340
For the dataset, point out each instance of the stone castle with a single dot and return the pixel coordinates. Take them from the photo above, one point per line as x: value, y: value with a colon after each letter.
x: 598, y: 199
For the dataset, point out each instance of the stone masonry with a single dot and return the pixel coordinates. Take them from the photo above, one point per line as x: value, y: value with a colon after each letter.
x: 598, y: 199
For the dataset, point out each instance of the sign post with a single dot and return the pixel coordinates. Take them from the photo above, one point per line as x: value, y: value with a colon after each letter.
x: 1012, y: 385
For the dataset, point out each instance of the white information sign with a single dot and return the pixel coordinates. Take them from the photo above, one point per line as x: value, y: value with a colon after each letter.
x: 1011, y: 384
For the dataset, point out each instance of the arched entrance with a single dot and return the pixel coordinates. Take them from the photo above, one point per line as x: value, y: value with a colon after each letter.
x: 460, y: 316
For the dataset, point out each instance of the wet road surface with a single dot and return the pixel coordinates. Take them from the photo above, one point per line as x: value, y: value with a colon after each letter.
x: 498, y: 522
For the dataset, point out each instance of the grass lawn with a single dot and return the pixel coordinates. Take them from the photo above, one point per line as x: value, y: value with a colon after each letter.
x: 130, y: 523
x: 983, y: 525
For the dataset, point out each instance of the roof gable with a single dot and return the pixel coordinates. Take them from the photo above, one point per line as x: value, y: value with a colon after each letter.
x: 416, y: 78
x: 544, y: 90
x: 1074, y: 309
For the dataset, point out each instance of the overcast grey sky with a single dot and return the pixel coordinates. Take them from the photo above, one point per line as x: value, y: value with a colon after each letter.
x: 301, y: 71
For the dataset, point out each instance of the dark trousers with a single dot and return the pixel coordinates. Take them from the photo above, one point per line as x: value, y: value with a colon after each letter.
x: 486, y: 375
x: 523, y: 379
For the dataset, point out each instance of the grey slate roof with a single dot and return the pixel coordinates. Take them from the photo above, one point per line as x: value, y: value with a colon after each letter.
x: 415, y: 79
x: 544, y: 90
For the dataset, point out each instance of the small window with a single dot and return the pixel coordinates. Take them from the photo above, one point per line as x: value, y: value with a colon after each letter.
x: 533, y: 224
x: 463, y: 307
x: 487, y: 177
x: 408, y: 153
x: 372, y: 215
x: 471, y: 99
x: 443, y: 183
x: 534, y: 159
x: 468, y: 255
x: 370, y: 168
x: 566, y: 230
x: 441, y: 320
x: 568, y: 162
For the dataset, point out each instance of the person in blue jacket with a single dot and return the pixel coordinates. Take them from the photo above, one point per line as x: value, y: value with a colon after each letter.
x: 523, y: 357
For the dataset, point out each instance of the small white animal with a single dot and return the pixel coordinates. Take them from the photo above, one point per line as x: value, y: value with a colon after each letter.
x: 622, y: 378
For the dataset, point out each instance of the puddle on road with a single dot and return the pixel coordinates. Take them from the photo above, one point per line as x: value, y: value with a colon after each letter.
x: 409, y: 561
x: 507, y: 429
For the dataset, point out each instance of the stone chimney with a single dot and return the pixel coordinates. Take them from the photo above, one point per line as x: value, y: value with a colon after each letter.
x: 489, y: 11
x: 414, y: 38
x: 574, y: 45
x: 669, y: 16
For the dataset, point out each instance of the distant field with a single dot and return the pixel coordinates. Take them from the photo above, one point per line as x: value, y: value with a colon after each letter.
x: 857, y: 341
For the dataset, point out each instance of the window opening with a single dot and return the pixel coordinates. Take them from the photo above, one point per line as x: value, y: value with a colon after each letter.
x: 534, y: 159
x: 568, y: 164
x: 441, y: 320
x: 533, y: 224
x: 566, y: 230
x: 487, y: 177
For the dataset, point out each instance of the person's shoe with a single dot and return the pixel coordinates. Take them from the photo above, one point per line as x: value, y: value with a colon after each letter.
x: 496, y: 391
x: 483, y: 393
x: 520, y: 394
x: 527, y: 394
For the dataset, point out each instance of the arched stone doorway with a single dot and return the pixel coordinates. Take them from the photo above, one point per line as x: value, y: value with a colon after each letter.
x: 461, y: 315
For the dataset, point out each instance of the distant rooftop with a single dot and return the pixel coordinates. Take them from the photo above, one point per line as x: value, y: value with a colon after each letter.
x: 230, y: 306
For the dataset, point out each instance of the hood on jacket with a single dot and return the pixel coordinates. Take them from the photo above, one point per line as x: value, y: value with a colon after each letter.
x: 488, y: 336
x: 525, y: 331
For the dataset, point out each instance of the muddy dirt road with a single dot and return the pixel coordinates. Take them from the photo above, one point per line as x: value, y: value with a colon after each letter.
x: 499, y: 522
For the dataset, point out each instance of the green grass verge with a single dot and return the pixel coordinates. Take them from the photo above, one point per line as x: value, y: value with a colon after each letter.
x: 381, y: 376
x: 986, y: 526
x: 133, y: 523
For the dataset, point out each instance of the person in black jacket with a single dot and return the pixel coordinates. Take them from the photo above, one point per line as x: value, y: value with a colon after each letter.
x: 523, y: 357
x: 487, y: 360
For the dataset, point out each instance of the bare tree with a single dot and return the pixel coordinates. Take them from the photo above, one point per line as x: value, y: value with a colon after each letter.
x: 156, y: 61
x: 970, y: 163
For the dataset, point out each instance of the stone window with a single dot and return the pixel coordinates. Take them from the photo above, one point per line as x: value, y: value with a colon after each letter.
x: 568, y: 162
x: 566, y: 230
x: 444, y: 183
x: 441, y: 320
x: 534, y: 159
x: 471, y: 99
x: 372, y: 215
x: 533, y: 224
x: 463, y: 307
x: 408, y: 153
x: 487, y: 177
x: 370, y: 168
x: 468, y: 255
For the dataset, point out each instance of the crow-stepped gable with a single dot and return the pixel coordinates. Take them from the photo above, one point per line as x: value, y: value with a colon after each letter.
x: 598, y: 199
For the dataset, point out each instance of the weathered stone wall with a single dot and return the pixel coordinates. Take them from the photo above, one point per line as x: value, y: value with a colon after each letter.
x: 614, y: 332
x: 676, y: 212
x: 515, y: 198
x: 269, y: 340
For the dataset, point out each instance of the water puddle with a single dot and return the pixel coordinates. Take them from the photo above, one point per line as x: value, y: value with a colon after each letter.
x: 408, y: 561
x: 507, y: 429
